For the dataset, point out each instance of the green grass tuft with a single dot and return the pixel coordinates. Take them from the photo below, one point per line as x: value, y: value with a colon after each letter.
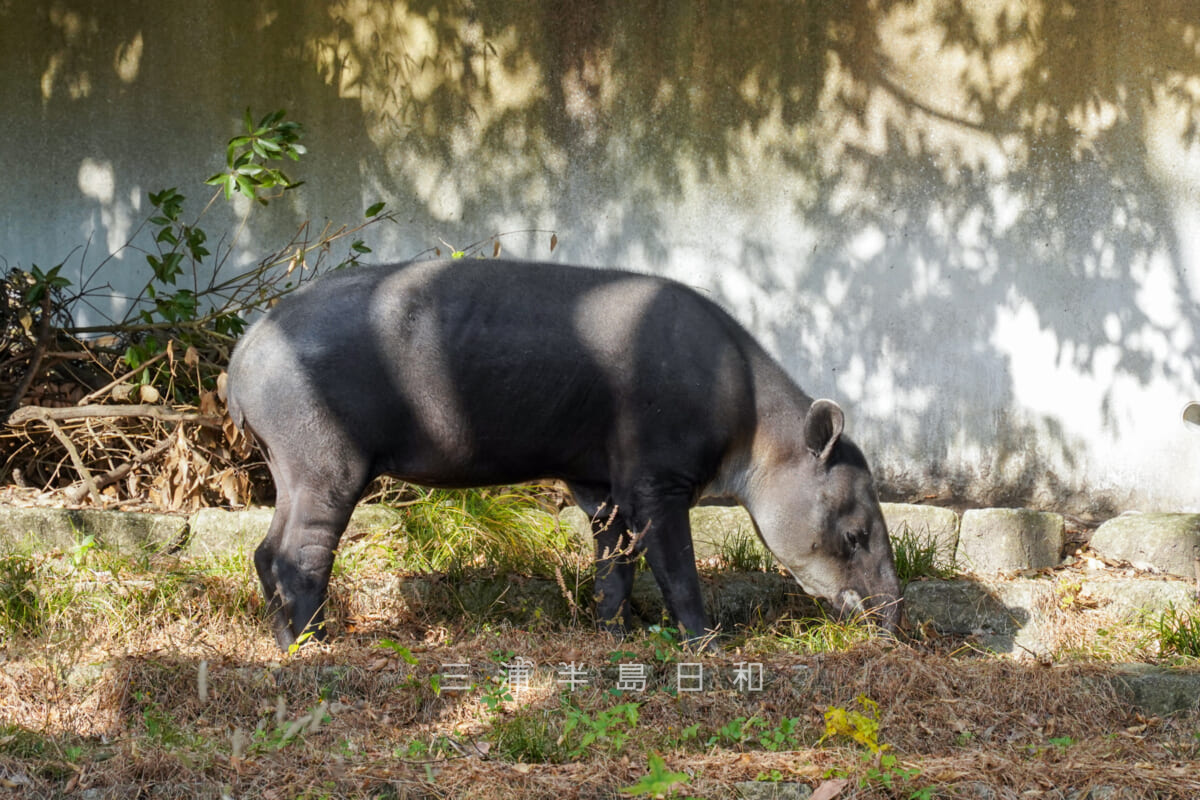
x: 22, y: 611
x: 530, y: 735
x: 1178, y: 633
x: 743, y: 551
x: 448, y: 531
x: 920, y: 555
x: 812, y: 635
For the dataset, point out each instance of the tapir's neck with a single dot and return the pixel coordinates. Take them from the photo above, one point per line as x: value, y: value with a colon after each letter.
x: 777, y: 438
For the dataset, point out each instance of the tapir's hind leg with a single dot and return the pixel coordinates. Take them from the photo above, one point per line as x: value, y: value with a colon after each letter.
x: 295, y: 559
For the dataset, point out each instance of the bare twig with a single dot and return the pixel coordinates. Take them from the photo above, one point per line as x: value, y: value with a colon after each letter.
x: 135, y: 371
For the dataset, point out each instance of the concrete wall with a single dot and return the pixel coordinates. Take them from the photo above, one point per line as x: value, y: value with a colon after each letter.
x: 975, y: 227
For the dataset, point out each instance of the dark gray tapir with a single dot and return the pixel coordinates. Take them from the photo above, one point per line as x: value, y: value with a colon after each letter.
x: 638, y: 393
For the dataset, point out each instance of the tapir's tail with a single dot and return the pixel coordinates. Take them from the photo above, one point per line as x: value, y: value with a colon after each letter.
x: 239, y: 419
x: 233, y: 406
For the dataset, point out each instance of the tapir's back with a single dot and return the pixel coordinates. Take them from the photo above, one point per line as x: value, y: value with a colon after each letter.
x: 470, y: 372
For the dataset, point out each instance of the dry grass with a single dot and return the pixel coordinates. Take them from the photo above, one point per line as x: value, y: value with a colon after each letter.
x: 106, y: 698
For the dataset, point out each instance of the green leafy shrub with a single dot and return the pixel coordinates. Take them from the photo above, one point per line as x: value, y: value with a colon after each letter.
x: 658, y: 782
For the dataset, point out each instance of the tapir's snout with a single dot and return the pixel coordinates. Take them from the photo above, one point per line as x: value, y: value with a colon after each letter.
x: 887, y: 613
x: 886, y: 605
x: 883, y: 610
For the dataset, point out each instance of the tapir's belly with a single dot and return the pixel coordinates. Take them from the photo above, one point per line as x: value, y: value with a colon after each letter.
x: 472, y: 427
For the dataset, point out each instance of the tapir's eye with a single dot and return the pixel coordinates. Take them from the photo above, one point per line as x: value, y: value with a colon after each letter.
x: 855, y: 539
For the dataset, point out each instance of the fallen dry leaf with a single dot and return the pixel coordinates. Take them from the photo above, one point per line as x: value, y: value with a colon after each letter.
x: 829, y: 789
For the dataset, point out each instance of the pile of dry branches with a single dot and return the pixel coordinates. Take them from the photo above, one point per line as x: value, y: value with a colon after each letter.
x: 82, y: 426
x: 168, y: 457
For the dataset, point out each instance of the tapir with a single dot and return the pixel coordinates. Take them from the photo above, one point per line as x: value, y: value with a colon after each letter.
x: 640, y: 394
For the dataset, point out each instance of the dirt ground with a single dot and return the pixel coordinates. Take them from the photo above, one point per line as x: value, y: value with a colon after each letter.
x: 163, y: 682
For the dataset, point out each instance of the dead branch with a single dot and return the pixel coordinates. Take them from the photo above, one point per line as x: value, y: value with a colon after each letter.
x: 80, y: 467
x: 161, y: 413
x: 35, y: 363
x: 76, y: 493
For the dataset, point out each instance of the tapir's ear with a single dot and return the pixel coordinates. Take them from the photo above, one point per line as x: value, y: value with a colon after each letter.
x: 822, y: 427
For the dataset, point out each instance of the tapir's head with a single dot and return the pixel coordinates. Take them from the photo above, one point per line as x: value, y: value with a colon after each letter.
x: 824, y: 523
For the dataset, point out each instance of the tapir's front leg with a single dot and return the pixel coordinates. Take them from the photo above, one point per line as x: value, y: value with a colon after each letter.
x: 303, y: 574
x: 669, y: 551
x: 301, y: 555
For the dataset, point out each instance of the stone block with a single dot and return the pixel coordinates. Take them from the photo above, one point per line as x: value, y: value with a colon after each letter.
x: 936, y: 525
x: 1007, y: 616
x: 1158, y: 542
x: 374, y: 518
x: 711, y: 526
x: 1138, y: 599
x: 572, y: 518
x: 119, y: 531
x: 217, y: 531
x: 1158, y: 690
x: 995, y: 540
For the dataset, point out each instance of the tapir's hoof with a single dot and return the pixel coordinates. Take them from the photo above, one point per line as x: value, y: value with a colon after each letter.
x: 284, y: 638
x: 617, y: 630
x: 618, y: 624
x: 281, y: 628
